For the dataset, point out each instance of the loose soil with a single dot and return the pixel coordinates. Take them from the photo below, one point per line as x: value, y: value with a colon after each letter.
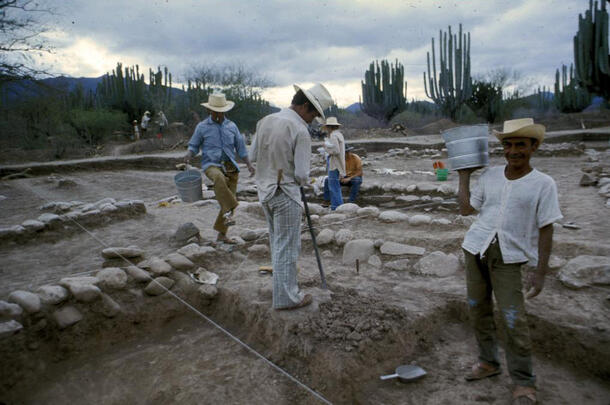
x: 372, y: 321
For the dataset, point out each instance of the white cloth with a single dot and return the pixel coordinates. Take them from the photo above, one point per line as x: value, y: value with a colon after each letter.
x: 282, y: 142
x: 334, y: 145
x: 514, y: 210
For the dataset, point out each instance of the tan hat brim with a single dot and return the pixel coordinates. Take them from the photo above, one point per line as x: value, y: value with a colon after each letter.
x: 535, y: 131
x: 229, y: 106
x: 311, y: 99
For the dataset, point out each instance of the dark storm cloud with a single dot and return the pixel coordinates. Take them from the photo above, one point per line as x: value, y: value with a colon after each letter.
x: 303, y: 41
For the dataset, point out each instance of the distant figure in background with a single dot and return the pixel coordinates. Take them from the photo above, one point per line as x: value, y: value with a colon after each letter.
x: 162, y: 121
x: 353, y: 173
x: 136, y: 130
x: 219, y: 140
x: 334, y: 145
x: 144, y: 123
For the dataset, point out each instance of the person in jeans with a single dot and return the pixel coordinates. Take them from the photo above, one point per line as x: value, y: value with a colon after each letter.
x: 281, y: 149
x: 334, y: 145
x: 219, y: 140
x: 517, y: 206
x: 353, y: 173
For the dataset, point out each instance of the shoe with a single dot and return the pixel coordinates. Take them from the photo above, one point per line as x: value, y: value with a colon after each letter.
x: 523, y: 395
x: 482, y: 370
x: 307, y: 299
x: 228, y: 217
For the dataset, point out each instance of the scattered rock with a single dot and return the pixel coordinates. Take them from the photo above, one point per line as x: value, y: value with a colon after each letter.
x: 327, y: 253
x: 207, y: 292
x: 316, y: 209
x: 334, y: 218
x: 347, y: 208
x: 30, y: 302
x: 587, y: 180
x: 253, y: 234
x: 67, y: 316
x: 585, y: 271
x: 419, y: 219
x: 393, y: 216
x: 343, y: 236
x: 9, y: 328
x: 33, y: 225
x: 397, y: 265
x: 121, y: 252
x: 258, y: 250
x: 556, y: 262
x: 441, y: 221
x: 370, y: 211
x: 9, y: 310
x: 409, y: 199
x: 112, y: 277
x: 109, y: 307
x: 438, y: 264
x: 378, y: 243
x: 375, y: 261
x: 159, y: 286
x: 139, y: 275
x: 159, y: 267
x: 186, y: 231
x: 398, y: 249
x: 52, y: 294
x: 195, y: 252
x: 179, y: 262
x: 85, y: 292
x: 325, y: 237
x: 359, y: 249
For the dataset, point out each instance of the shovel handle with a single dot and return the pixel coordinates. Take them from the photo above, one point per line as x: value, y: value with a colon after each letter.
x: 387, y: 377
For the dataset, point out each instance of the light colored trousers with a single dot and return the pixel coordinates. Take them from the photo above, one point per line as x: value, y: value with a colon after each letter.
x: 284, y: 219
x: 225, y: 188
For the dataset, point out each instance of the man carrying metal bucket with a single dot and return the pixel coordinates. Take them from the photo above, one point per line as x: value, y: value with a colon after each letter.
x: 517, y: 206
x: 220, y: 140
x: 282, y: 151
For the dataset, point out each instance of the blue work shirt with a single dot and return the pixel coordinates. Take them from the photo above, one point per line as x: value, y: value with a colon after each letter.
x: 217, y: 142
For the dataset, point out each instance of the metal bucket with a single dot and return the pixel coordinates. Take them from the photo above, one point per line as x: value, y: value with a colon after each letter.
x: 467, y: 146
x: 189, y: 184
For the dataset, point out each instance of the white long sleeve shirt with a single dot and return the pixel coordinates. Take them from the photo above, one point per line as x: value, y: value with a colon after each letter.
x: 334, y: 145
x: 282, y: 142
x: 514, y: 210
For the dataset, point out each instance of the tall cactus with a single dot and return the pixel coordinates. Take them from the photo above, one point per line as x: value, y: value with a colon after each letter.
x: 569, y: 97
x: 383, y: 93
x: 591, y: 57
x: 453, y: 86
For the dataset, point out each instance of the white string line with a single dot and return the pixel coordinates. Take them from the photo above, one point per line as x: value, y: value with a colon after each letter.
x: 226, y: 332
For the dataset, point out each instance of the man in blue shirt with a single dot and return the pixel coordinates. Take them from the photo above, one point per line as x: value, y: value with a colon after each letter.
x: 219, y: 140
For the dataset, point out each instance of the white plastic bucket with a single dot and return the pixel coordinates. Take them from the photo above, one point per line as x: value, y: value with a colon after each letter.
x: 189, y: 184
x: 467, y: 146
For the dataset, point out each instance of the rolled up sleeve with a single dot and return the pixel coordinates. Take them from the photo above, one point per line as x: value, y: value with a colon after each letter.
x: 548, y: 210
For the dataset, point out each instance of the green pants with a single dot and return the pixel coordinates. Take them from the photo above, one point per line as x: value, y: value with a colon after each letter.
x: 225, y: 188
x: 484, y: 275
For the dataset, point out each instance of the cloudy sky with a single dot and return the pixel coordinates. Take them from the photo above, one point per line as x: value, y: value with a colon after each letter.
x: 330, y: 41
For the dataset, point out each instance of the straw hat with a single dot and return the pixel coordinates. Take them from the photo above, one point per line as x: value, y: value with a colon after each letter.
x: 318, y: 96
x: 332, y: 121
x: 146, y: 112
x: 521, y: 128
x: 218, y: 102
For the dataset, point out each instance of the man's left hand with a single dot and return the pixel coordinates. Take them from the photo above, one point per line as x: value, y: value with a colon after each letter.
x: 344, y: 180
x: 252, y: 170
x: 535, y: 283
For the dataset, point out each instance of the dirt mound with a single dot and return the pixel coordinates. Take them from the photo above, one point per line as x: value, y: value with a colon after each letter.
x: 436, y: 127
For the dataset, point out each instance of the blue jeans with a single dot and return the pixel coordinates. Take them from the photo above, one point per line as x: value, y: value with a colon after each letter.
x: 332, y: 189
x: 354, y: 185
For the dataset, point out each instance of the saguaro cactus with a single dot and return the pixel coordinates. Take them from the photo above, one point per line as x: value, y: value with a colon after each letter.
x: 453, y: 86
x: 569, y: 97
x: 383, y: 93
x: 591, y: 58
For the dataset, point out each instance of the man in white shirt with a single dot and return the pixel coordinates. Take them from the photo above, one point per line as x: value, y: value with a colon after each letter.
x: 517, y: 206
x: 144, y: 123
x: 334, y: 145
x: 281, y: 149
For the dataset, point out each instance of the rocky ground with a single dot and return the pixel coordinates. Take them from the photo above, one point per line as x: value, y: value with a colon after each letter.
x: 402, y: 303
